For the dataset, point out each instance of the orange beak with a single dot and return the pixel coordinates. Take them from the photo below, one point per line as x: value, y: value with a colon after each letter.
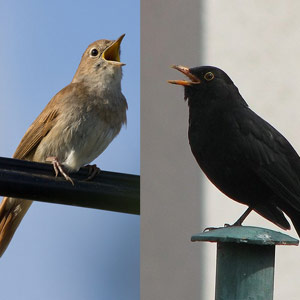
x: 186, y: 72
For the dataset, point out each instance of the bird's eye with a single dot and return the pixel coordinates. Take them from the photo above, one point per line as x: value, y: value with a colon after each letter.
x: 209, y: 76
x: 94, y: 52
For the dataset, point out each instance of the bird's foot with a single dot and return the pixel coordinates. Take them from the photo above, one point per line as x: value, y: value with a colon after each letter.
x: 93, y: 171
x: 207, y: 229
x: 225, y: 226
x: 58, y: 168
x: 232, y: 225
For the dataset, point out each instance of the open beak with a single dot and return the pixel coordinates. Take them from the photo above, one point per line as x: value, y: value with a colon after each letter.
x: 186, y: 72
x: 112, y: 53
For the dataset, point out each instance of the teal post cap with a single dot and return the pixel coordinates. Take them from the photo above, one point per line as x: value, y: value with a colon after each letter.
x: 246, y: 235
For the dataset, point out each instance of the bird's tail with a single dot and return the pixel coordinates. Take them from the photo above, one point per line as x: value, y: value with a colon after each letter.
x: 295, y: 217
x: 12, y: 211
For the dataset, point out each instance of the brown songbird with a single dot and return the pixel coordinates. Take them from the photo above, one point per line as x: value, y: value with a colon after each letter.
x: 75, y: 127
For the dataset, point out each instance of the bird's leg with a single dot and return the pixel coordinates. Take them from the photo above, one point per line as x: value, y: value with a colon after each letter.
x: 58, y: 168
x: 243, y: 217
x: 237, y: 223
x: 93, y: 171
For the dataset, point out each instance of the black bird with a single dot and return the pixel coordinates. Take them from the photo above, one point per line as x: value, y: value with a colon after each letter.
x: 241, y: 154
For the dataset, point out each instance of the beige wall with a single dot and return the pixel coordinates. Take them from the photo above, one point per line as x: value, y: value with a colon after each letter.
x: 258, y: 44
x: 171, y: 265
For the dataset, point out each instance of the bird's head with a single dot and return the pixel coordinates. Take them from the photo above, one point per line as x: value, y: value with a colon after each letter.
x: 101, y: 63
x: 203, y: 81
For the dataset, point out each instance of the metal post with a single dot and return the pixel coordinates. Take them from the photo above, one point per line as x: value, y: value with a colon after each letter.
x: 245, y: 261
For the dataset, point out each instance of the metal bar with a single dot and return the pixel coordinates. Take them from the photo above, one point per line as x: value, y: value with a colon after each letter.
x: 36, y: 181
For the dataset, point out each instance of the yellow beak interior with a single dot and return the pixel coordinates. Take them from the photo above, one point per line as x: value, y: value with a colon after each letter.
x: 112, y: 53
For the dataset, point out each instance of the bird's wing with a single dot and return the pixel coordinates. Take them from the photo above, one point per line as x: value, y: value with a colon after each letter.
x: 269, y: 155
x: 37, y: 130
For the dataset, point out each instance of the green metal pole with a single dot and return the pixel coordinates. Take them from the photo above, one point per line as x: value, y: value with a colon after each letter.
x: 245, y: 261
x: 245, y: 271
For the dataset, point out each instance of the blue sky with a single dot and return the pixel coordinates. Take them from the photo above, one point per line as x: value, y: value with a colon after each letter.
x: 62, y: 252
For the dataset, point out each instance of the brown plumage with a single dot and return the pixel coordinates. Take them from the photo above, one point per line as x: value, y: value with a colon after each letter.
x: 76, y: 126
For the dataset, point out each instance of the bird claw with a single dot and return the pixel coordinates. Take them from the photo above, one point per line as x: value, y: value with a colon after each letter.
x: 58, y: 168
x: 226, y: 225
x: 93, y: 171
x: 207, y: 229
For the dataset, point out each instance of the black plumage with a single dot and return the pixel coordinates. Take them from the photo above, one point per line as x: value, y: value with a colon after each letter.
x: 242, y: 155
